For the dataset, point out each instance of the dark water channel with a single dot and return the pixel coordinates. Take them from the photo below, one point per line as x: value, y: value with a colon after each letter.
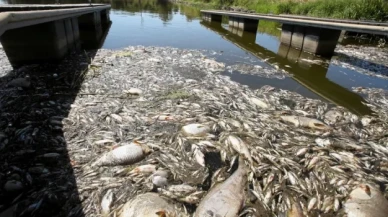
x: 161, y: 23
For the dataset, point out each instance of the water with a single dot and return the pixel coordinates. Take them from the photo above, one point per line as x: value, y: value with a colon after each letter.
x: 161, y: 23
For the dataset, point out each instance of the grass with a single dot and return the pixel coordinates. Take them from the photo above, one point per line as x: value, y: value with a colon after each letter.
x: 343, y: 9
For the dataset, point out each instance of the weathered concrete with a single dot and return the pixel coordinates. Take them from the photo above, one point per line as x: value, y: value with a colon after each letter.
x: 286, y: 35
x: 38, y: 43
x: 297, y: 37
x: 320, y: 41
x: 38, y: 35
x: 105, y: 18
x: 310, y: 39
x: 90, y: 29
x: 211, y: 17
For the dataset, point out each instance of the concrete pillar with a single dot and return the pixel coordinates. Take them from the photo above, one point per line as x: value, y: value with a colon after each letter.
x: 342, y: 36
x: 70, y: 35
x: 231, y: 21
x: 211, y: 17
x: 244, y: 24
x: 235, y: 21
x: 90, y: 29
x: 39, y: 43
x: 105, y: 18
x: 286, y: 35
x: 283, y: 50
x: 297, y: 37
x: 248, y: 24
x: 76, y: 34
x: 320, y: 41
x: 215, y: 18
x: 293, y: 54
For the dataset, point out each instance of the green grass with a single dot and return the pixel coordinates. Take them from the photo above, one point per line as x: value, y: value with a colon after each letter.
x: 343, y: 9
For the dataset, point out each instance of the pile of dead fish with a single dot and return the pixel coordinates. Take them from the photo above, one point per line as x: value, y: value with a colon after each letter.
x: 258, y: 70
x: 158, y: 132
x: 372, y: 61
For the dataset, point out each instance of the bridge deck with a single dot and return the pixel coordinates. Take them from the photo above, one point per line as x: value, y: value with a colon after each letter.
x: 35, y: 14
x: 348, y: 25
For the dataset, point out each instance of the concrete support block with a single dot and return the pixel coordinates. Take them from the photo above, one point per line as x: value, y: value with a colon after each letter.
x: 105, y: 18
x: 69, y: 34
x: 283, y: 50
x: 231, y: 20
x: 293, y: 54
x: 37, y: 43
x: 286, y: 35
x: 76, y: 34
x: 244, y: 24
x: 247, y: 37
x: 205, y: 16
x: 90, y: 21
x: 249, y: 25
x: 90, y: 30
x: 211, y: 17
x: 297, y: 37
x: 215, y: 18
x: 320, y: 41
x: 234, y: 22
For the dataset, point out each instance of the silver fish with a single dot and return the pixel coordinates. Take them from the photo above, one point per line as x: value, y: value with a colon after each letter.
x: 225, y: 199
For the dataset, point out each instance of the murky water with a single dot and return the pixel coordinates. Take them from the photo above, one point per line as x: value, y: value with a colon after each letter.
x: 160, y: 23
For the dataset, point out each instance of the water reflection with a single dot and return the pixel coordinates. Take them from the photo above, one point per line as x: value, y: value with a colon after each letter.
x: 306, y: 69
x: 162, y: 23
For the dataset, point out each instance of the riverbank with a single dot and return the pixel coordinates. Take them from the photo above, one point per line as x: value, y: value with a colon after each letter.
x: 58, y: 121
x: 342, y: 9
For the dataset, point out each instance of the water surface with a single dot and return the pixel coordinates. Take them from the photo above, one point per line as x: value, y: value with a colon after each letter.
x: 161, y: 23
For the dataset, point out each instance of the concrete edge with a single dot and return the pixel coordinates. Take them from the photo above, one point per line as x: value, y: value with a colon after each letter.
x: 371, y: 29
x: 11, y: 20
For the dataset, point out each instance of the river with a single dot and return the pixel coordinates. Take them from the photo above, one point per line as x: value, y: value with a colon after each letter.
x: 161, y: 23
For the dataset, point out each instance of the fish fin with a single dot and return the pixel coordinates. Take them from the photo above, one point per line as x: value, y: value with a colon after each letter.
x: 161, y: 213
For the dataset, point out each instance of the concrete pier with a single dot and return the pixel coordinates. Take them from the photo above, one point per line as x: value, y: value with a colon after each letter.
x: 310, y: 39
x: 48, y: 33
x: 243, y: 23
x: 321, y: 41
x: 105, y: 18
x: 314, y: 35
x: 211, y: 17
x: 39, y: 43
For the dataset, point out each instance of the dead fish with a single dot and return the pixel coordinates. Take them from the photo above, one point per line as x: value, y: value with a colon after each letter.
x: 124, y: 155
x: 195, y: 130
x: 150, y: 205
x: 159, y: 181
x: 366, y: 201
x: 305, y: 122
x: 239, y: 146
x: 181, y: 189
x: 198, y: 155
x: 295, y: 211
x: 259, y: 103
x: 144, y: 169
x: 106, y: 202
x: 133, y: 91
x: 225, y: 199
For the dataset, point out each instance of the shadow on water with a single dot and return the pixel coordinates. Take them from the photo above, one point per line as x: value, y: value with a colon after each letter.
x: 362, y: 63
x: 301, y: 65
x: 37, y: 175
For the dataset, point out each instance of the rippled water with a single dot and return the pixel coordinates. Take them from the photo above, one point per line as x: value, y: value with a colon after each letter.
x: 161, y: 23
